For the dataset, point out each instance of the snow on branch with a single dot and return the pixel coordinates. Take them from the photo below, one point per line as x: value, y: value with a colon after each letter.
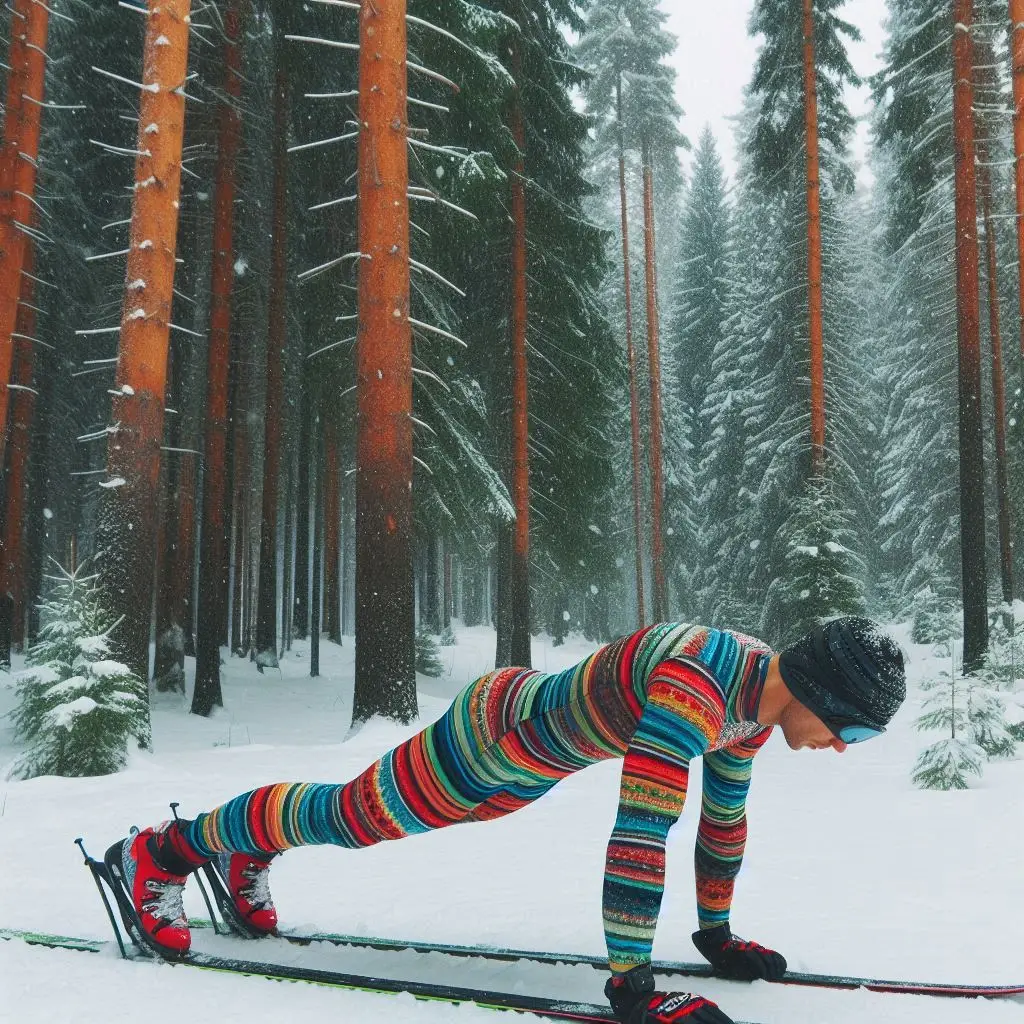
x: 437, y: 330
x: 307, y: 274
x: 153, y: 87
x: 333, y: 344
x: 347, y: 95
x: 318, y: 41
x: 334, y: 202
x: 424, y: 269
x: 32, y: 341
x: 433, y: 74
x: 323, y: 142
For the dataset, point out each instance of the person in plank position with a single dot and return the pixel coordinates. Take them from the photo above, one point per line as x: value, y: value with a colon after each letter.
x: 657, y: 699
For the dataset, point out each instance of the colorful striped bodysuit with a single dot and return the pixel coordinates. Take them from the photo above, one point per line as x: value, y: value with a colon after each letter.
x: 656, y: 698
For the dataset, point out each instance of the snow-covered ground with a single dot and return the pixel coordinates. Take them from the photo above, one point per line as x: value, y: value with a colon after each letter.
x: 848, y: 869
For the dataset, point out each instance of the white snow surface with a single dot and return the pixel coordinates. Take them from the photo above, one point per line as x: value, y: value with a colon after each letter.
x: 849, y: 868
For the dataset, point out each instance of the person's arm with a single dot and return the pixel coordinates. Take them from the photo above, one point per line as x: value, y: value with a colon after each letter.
x: 683, y: 715
x: 722, y: 834
x: 721, y: 838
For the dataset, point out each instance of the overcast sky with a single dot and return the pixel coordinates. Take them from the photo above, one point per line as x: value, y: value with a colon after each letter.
x: 715, y: 58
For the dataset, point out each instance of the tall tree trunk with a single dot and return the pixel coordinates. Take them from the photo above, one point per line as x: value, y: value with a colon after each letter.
x: 12, y: 553
x: 133, y: 457
x: 306, y: 447
x: 18, y: 162
x: 447, y: 610
x: 814, y: 261
x: 972, y: 470
x: 430, y: 610
x: 266, y: 613
x: 660, y: 595
x: 213, y: 564
x: 498, y: 608
x: 288, y: 576
x: 385, y: 680
x: 316, y: 476
x: 237, y: 550
x: 185, y: 548
x: 634, y: 398
x: 519, y: 569
x: 331, y: 496
x: 1017, y: 53
x: 169, y: 656
x: 998, y: 384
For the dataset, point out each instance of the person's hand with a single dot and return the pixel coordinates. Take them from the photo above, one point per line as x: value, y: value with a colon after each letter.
x: 732, y: 957
x: 634, y: 1001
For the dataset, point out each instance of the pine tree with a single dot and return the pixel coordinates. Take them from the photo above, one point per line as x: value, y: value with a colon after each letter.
x: 77, y: 709
x: 696, y: 333
x: 780, y: 470
x: 133, y: 457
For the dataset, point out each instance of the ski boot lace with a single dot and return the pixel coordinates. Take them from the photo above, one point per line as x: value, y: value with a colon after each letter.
x: 167, y: 904
x: 258, y: 891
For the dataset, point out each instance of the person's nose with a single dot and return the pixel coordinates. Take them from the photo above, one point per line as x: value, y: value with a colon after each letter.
x: 838, y: 745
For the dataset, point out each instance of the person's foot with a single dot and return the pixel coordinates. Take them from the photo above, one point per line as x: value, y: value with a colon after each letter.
x: 247, y: 878
x: 154, y: 891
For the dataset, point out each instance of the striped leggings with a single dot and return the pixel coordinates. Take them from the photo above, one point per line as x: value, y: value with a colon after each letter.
x: 496, y: 749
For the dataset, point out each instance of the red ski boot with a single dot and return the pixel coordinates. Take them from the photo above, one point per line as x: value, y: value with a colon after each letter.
x: 153, y: 893
x: 247, y: 879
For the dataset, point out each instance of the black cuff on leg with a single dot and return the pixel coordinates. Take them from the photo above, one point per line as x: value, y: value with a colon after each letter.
x: 624, y: 991
x: 709, y: 941
x: 164, y: 852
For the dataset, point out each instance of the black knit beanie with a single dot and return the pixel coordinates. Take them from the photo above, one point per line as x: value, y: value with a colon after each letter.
x: 846, y: 669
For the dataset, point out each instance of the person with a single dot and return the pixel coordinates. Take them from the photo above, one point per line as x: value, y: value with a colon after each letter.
x: 656, y: 698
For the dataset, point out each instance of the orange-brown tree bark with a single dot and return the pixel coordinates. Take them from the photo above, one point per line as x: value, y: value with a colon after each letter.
x: 18, y: 162
x: 634, y: 398
x: 985, y: 77
x: 266, y: 603
x: 385, y: 677
x: 815, y: 317
x: 12, y: 552
x: 972, y: 474
x: 660, y: 582
x: 213, y: 560
x: 519, y: 568
x: 133, y: 457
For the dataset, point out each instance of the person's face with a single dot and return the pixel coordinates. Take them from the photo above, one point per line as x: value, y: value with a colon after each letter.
x: 804, y: 729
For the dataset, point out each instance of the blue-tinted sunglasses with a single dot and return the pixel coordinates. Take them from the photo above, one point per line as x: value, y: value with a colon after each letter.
x: 853, y: 732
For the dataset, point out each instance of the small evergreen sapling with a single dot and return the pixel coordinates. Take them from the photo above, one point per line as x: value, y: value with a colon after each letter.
x: 975, y: 715
x: 947, y: 763
x: 427, y: 661
x: 76, y: 708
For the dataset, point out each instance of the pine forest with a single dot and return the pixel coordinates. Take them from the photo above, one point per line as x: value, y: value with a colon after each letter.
x: 344, y: 324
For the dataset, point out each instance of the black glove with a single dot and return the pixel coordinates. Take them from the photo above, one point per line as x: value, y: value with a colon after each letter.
x: 733, y: 958
x: 634, y: 1001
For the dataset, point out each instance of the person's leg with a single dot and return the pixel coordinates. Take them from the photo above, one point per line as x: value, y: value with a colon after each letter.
x: 436, y: 778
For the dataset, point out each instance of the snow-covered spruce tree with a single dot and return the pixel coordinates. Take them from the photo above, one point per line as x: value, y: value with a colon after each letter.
x: 913, y: 132
x: 824, y: 576
x: 933, y: 605
x: 76, y: 708
x: 975, y: 716
x: 694, y: 341
x: 946, y: 763
x: 572, y: 365
x: 635, y: 166
x: 427, y: 661
x: 774, y: 346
